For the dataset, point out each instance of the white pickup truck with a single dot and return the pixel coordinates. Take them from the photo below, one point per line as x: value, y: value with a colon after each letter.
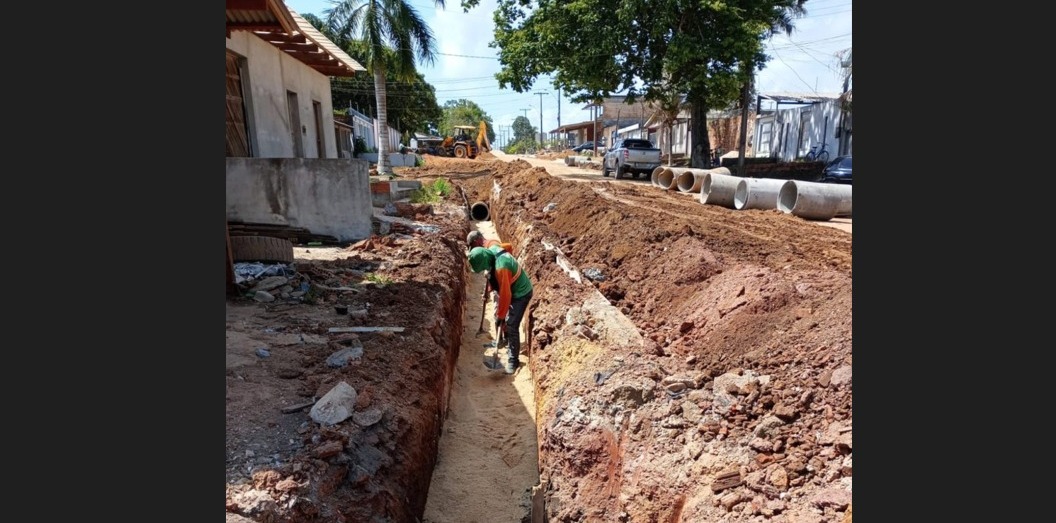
x: 630, y: 156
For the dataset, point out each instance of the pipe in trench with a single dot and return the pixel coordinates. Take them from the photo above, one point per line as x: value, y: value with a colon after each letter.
x: 757, y: 193
x: 692, y: 179
x: 479, y: 211
x: 718, y: 189
x: 813, y: 200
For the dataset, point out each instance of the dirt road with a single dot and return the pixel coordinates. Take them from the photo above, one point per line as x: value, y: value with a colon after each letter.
x: 559, y: 169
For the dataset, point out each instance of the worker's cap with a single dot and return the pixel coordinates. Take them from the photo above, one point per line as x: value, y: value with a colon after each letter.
x: 474, y: 236
x: 480, y: 258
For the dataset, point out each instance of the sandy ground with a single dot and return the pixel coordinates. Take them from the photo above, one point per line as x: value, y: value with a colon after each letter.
x: 488, y: 461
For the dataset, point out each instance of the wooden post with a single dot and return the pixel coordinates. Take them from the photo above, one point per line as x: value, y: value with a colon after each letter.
x: 232, y: 289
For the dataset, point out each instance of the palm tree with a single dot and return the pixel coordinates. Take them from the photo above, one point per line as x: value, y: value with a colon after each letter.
x: 393, y: 35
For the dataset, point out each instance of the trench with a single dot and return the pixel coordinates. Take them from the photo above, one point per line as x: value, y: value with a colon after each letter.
x: 622, y: 410
x: 487, y: 459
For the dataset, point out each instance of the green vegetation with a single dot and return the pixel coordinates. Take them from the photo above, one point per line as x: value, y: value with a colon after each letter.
x: 433, y: 192
x: 378, y: 279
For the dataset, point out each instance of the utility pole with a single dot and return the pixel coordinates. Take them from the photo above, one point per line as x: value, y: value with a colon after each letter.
x: 563, y: 144
x: 541, y: 117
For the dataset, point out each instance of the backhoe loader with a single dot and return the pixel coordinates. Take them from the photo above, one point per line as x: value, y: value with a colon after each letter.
x: 462, y: 145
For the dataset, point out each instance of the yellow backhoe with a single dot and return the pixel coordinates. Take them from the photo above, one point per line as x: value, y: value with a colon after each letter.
x: 462, y: 145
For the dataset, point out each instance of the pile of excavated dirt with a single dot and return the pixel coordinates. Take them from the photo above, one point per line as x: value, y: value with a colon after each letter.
x: 690, y: 362
x: 375, y: 464
x: 730, y: 396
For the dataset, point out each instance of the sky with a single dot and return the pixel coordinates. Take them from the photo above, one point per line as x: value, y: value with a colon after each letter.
x: 465, y: 66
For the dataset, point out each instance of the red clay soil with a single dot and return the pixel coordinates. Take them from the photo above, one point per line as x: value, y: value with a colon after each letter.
x: 691, y: 363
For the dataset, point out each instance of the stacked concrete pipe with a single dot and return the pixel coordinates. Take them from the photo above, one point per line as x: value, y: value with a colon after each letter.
x: 653, y: 178
x: 719, y: 189
x: 691, y: 179
x: 757, y: 193
x: 813, y: 200
x: 668, y: 178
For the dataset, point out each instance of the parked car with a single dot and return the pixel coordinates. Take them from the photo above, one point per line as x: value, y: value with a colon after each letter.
x: 585, y: 146
x: 632, y: 156
x: 837, y: 171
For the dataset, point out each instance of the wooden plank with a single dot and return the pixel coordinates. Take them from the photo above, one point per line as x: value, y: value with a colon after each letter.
x: 365, y: 329
x: 725, y: 481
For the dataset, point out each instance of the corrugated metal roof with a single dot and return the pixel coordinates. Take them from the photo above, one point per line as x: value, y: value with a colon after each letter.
x: 797, y: 98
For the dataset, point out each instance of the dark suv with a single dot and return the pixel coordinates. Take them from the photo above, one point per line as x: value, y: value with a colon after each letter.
x: 585, y: 146
x: 837, y: 171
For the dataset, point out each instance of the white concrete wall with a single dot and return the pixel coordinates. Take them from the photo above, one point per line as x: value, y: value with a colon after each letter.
x: 785, y: 142
x: 326, y: 196
x: 271, y: 73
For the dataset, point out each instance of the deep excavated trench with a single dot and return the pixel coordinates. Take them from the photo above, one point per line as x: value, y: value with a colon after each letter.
x: 681, y: 369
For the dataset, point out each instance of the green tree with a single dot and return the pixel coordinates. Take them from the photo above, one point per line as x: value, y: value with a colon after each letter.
x: 654, y: 49
x: 464, y: 112
x: 523, y: 130
x: 393, y: 35
x: 412, y: 104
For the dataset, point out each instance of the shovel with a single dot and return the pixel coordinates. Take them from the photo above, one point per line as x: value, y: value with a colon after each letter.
x: 493, y: 363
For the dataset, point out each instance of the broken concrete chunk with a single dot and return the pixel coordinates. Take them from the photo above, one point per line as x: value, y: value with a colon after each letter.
x: 367, y: 417
x: 335, y: 406
x: 263, y: 296
x: 342, y: 357
x: 840, y: 376
x: 767, y: 426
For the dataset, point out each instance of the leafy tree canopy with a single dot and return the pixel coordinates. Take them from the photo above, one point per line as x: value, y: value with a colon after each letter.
x: 523, y: 130
x: 412, y: 105
x: 656, y: 49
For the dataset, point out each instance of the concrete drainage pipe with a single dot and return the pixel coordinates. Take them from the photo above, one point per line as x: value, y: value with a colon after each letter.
x: 479, y: 211
x: 718, y: 189
x: 653, y: 178
x: 813, y: 200
x: 692, y: 179
x: 666, y: 179
x: 757, y: 193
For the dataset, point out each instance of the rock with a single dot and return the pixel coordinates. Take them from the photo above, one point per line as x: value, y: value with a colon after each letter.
x: 335, y: 406
x: 731, y: 383
x: 384, y: 228
x: 730, y: 500
x: 845, y: 466
x: 593, y: 274
x: 761, y: 445
x: 255, y: 503
x: 390, y: 210
x: 367, y: 418
x: 330, y: 448
x: 552, y: 205
x: 685, y: 327
x: 269, y: 283
x: 342, y: 357
x: 263, y: 352
x: 692, y: 412
x: 841, y: 376
x: 779, y: 477
x: 837, y: 498
x: 288, y: 373
x: 263, y: 296
x: 767, y: 426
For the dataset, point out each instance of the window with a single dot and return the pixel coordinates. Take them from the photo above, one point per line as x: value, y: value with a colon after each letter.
x: 238, y: 143
x: 766, y: 129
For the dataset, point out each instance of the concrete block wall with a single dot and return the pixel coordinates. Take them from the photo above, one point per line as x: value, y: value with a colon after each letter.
x: 329, y: 196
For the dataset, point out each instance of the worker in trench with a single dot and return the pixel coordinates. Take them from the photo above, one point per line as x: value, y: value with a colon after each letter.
x: 514, y: 289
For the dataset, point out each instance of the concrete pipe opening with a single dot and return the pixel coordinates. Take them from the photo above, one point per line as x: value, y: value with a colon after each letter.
x: 757, y: 193
x: 655, y: 175
x: 814, y: 201
x: 718, y: 189
x: 666, y: 178
x: 691, y: 179
x: 479, y: 211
